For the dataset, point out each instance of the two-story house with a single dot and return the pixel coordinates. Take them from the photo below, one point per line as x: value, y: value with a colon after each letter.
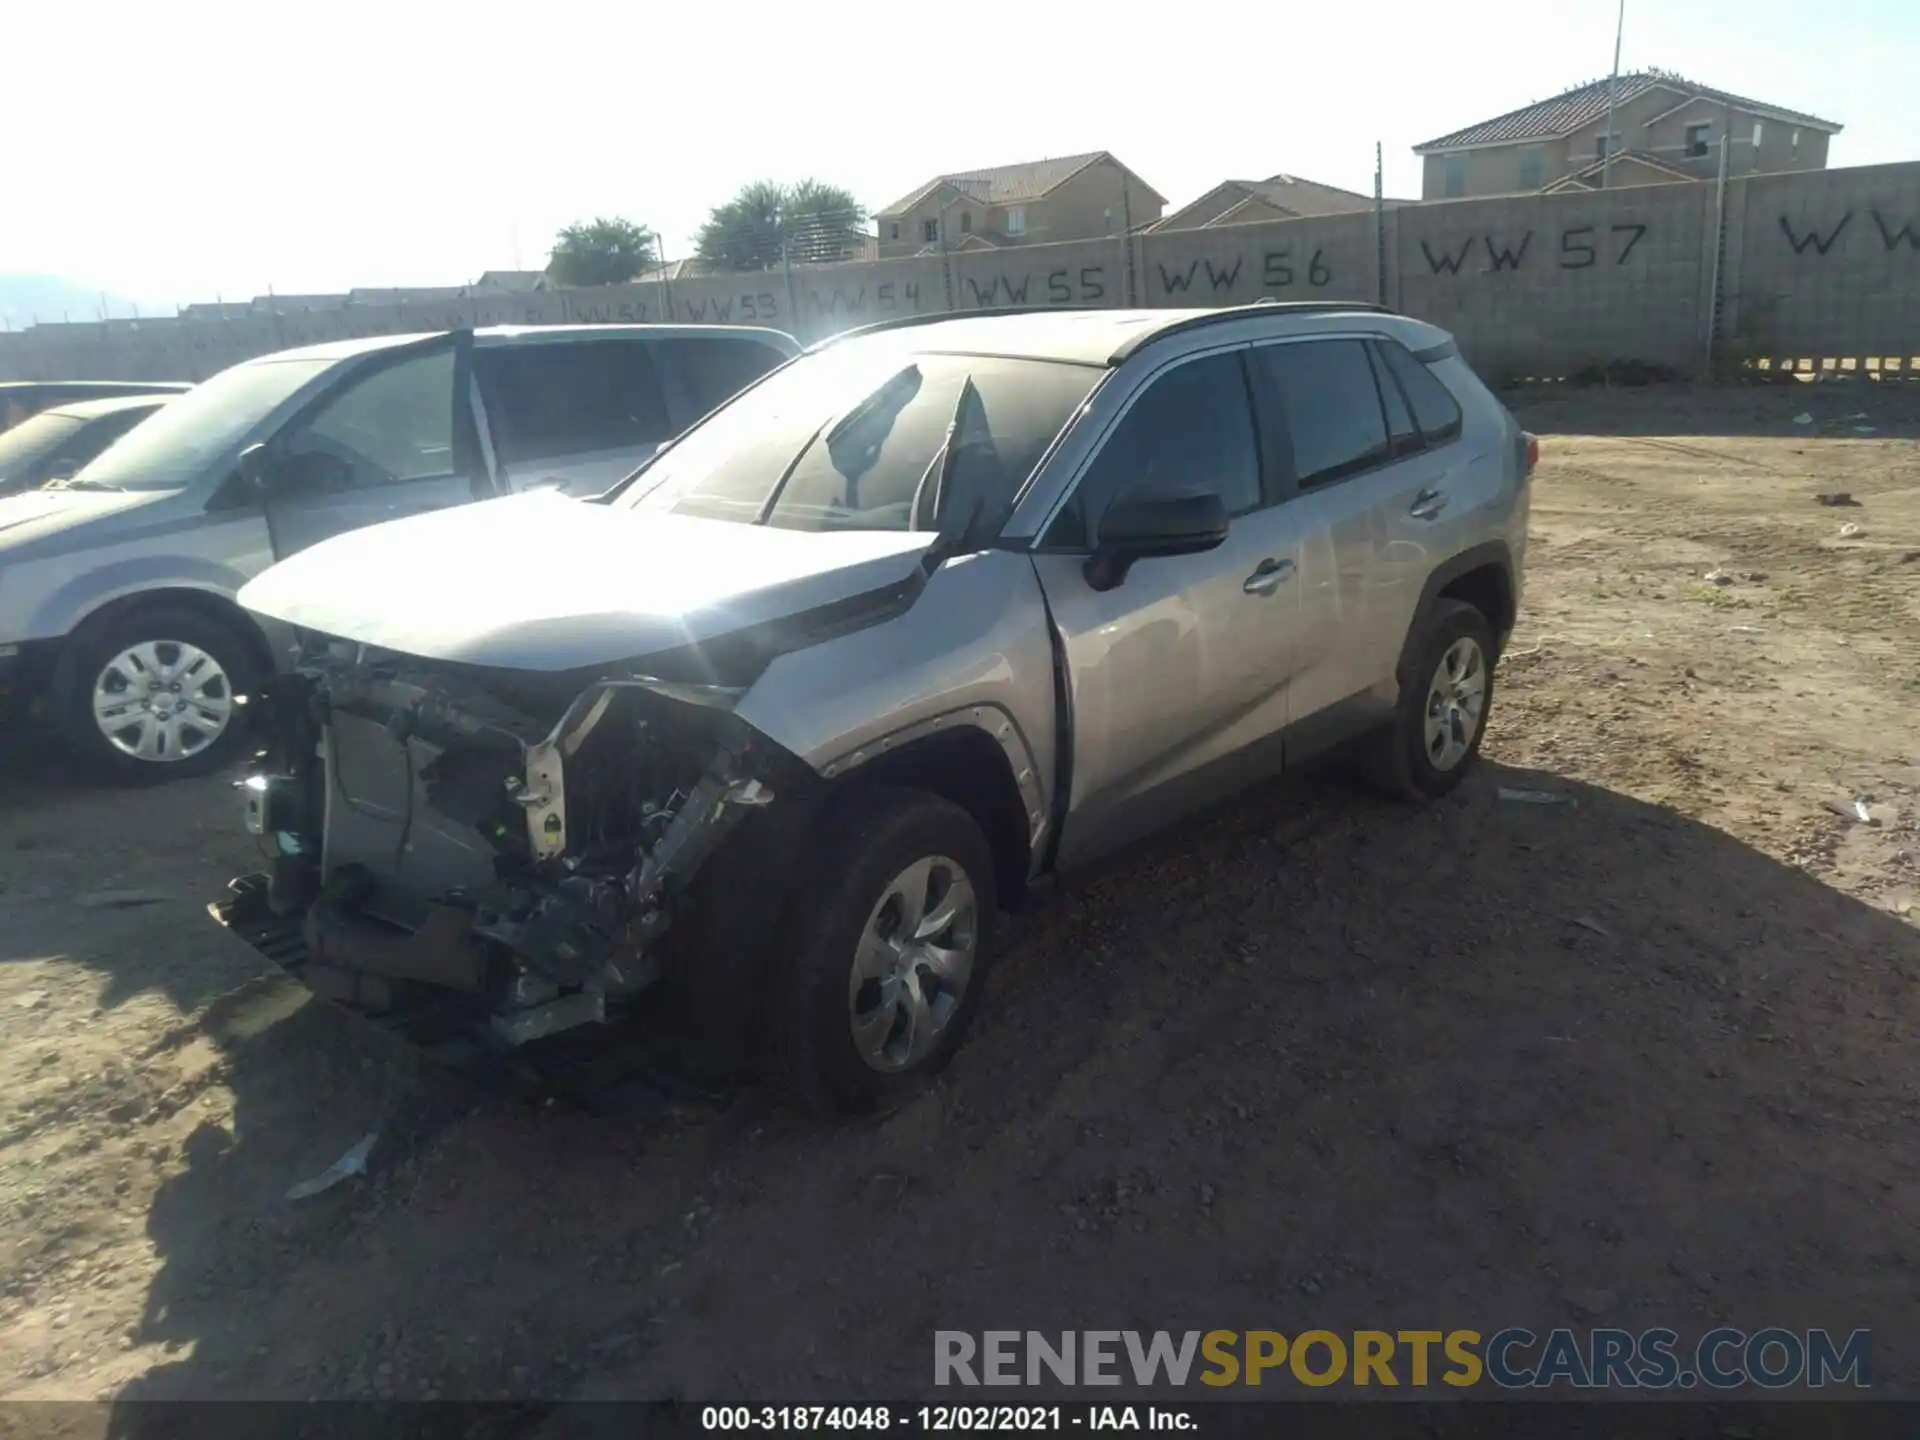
x: 1664, y: 128
x: 1075, y: 197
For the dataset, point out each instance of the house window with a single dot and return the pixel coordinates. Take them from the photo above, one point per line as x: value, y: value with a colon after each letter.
x: 1793, y: 143
x: 966, y: 222
x: 896, y: 230
x: 1698, y: 137
x: 1017, y: 220
x: 1453, y: 178
x: 1602, y: 146
x: 1533, y: 167
x: 930, y: 231
x: 1758, y: 130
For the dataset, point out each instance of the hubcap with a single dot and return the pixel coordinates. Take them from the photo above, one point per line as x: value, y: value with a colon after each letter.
x: 915, y: 958
x: 1456, y: 700
x: 162, y: 700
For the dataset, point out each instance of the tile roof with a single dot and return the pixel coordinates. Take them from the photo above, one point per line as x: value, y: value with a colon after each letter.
x: 1004, y: 184
x: 1306, y: 197
x: 1585, y: 104
x: 513, y: 281
x: 1289, y: 194
x: 1640, y: 157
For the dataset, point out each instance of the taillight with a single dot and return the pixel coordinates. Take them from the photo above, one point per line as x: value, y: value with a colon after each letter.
x: 1532, y: 450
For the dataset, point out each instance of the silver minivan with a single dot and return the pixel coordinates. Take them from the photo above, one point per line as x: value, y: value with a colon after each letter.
x: 117, y: 585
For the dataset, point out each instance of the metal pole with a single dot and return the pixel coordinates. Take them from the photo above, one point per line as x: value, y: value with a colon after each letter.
x: 1379, y: 224
x: 786, y: 265
x: 666, y: 285
x: 1126, y: 242
x: 1719, y: 249
x: 1613, y: 90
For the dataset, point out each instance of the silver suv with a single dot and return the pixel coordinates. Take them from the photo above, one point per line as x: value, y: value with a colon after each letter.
x: 782, y: 723
x: 117, y: 584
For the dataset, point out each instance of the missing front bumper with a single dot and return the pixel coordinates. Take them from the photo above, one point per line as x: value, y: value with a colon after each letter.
x: 419, y: 987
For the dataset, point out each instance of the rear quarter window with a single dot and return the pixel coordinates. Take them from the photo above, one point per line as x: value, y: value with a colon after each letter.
x: 1434, y: 408
x: 576, y: 397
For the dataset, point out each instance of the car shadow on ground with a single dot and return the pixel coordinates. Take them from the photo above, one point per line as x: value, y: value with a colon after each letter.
x: 1314, y: 1059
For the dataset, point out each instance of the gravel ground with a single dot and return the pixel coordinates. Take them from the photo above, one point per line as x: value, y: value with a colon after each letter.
x: 1643, y: 1056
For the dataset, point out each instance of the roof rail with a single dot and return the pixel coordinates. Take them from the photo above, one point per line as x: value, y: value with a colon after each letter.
x: 1239, y: 312
x: 1172, y: 327
x: 933, y: 317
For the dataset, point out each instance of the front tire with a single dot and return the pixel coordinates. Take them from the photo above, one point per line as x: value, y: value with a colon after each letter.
x: 155, y: 695
x: 1446, y: 694
x: 883, y: 959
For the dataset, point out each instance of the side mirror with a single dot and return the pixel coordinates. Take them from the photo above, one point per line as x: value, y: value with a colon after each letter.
x: 253, y: 467
x: 1140, y: 528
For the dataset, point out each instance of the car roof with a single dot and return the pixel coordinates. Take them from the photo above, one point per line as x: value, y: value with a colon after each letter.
x: 110, y: 405
x: 1109, y: 337
x: 489, y: 335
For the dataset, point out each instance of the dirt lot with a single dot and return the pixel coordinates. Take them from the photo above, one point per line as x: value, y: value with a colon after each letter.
x: 1644, y: 1057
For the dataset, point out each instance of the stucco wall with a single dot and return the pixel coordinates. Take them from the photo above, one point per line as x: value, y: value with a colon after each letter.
x: 1820, y: 263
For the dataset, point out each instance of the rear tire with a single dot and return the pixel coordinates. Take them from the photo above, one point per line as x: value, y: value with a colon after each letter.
x: 879, y: 969
x: 153, y: 695
x: 1446, y: 695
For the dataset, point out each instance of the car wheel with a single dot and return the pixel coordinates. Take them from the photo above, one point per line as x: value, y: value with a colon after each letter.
x: 1446, y: 693
x: 156, y: 695
x: 884, y: 955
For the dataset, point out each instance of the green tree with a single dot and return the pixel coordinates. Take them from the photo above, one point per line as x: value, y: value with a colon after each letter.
x: 767, y: 224
x: 602, y: 252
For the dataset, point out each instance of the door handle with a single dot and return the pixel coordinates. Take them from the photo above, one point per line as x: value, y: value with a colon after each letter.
x: 1428, y: 504
x: 1266, y: 576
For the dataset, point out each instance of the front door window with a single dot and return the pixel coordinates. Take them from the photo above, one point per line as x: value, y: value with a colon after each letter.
x: 392, y: 426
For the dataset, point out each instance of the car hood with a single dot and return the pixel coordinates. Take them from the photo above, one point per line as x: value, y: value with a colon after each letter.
x: 544, y: 583
x: 33, y: 515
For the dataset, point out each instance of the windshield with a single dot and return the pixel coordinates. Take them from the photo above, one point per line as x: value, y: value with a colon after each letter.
x: 184, y: 437
x: 23, y: 448
x: 848, y: 440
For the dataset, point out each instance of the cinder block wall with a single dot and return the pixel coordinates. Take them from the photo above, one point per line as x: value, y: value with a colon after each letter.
x: 1819, y: 263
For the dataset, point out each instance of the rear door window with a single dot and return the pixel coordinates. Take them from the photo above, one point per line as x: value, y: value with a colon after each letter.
x: 1327, y: 398
x: 572, y: 398
x: 1434, y: 407
x: 713, y: 368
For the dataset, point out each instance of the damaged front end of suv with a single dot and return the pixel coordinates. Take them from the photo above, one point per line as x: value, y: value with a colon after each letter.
x: 478, y: 825
x: 474, y: 850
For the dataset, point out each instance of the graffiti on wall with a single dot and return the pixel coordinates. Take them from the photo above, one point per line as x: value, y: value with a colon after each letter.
x: 1080, y: 285
x: 1817, y: 242
x: 890, y: 297
x: 760, y: 307
x: 1580, y: 248
x: 756, y: 309
x: 624, y: 311
x: 1280, y: 268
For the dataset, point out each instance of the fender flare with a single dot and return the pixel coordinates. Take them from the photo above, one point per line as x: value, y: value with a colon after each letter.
x: 1495, y: 553
x: 1490, y: 553
x: 993, y: 722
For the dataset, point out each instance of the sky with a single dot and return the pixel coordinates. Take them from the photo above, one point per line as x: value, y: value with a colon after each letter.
x: 211, y: 148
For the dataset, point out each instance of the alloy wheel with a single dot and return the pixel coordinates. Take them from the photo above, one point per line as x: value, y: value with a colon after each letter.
x: 1456, y: 702
x: 913, y: 963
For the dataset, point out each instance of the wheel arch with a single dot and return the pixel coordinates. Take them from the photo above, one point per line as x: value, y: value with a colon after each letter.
x: 1482, y: 576
x: 964, y: 764
x: 208, y: 604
